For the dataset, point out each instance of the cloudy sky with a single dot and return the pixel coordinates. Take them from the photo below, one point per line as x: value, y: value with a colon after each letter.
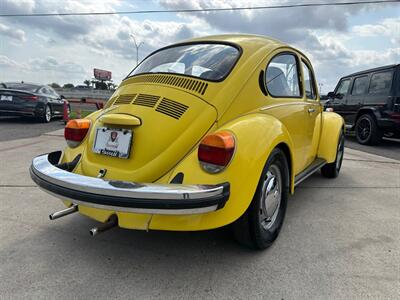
x: 338, y: 40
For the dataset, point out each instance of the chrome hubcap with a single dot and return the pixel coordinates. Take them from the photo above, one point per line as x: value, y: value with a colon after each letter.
x: 271, y: 197
x: 48, y: 113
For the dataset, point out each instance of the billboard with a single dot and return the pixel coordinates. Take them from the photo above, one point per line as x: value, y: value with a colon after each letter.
x: 101, y: 74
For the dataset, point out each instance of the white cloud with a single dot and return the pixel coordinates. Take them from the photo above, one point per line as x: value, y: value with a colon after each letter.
x: 388, y: 27
x: 50, y: 63
x: 16, y: 34
x: 7, y: 62
x: 68, y: 46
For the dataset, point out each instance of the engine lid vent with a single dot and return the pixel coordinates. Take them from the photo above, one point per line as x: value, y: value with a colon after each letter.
x: 171, y: 108
x: 197, y: 86
x: 146, y: 100
x: 124, y: 99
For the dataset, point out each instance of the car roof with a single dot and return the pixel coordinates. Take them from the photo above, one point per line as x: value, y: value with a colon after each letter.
x: 371, y: 70
x: 30, y: 83
x: 248, y: 42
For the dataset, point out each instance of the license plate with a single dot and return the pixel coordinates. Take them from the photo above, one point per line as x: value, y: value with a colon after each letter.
x: 113, y: 142
x: 5, y: 98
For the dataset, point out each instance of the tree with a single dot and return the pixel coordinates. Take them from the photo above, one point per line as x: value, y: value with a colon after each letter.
x: 54, y: 85
x: 68, y: 86
x: 87, y: 82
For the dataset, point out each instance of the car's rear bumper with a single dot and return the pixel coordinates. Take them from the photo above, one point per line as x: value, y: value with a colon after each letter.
x: 123, y: 196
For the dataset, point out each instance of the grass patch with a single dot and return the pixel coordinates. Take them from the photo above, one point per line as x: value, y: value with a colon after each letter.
x: 84, y: 113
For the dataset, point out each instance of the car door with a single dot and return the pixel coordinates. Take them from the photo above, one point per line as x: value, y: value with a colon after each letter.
x: 282, y: 81
x: 59, y: 102
x: 312, y: 114
x: 355, y: 98
x: 338, y: 102
x: 52, y: 100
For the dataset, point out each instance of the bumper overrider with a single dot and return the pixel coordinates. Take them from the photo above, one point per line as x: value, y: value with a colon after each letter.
x: 123, y: 196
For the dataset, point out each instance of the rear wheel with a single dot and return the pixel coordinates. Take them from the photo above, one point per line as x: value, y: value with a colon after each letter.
x: 46, y: 117
x: 367, y: 131
x: 260, y: 225
x: 332, y: 170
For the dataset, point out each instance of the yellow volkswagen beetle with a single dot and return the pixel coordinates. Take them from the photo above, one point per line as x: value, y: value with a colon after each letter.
x: 201, y: 134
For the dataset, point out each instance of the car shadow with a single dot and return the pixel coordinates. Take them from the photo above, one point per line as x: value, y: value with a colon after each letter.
x: 26, y: 120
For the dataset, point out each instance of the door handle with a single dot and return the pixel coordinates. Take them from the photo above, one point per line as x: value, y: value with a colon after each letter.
x: 311, y: 110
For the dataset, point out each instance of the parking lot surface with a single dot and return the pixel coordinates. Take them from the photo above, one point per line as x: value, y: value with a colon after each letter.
x: 340, y: 240
x: 13, y: 128
x: 388, y: 147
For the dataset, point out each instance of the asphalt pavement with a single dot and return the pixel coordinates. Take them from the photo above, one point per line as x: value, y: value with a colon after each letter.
x: 13, y: 128
x: 340, y: 240
x: 388, y: 147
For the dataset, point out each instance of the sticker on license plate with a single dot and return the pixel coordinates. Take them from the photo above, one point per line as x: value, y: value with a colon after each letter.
x: 5, y: 98
x: 113, y: 142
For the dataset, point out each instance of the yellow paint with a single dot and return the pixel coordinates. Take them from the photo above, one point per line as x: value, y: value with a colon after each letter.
x: 163, y: 146
x: 332, y: 124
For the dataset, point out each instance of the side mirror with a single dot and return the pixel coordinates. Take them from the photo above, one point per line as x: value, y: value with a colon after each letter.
x: 62, y: 97
x: 331, y: 95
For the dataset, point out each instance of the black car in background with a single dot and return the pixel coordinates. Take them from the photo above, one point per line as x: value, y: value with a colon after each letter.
x: 369, y: 102
x: 28, y: 99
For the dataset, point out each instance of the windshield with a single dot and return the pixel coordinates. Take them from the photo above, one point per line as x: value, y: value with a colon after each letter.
x: 22, y: 86
x: 207, y: 61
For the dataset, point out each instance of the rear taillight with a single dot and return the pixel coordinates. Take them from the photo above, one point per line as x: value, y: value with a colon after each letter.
x: 75, y: 131
x: 30, y: 97
x: 216, y: 151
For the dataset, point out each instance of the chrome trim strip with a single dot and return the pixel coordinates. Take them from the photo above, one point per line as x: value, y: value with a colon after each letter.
x: 188, y: 211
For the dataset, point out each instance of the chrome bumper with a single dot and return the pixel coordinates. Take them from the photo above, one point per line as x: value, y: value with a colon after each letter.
x: 175, y: 199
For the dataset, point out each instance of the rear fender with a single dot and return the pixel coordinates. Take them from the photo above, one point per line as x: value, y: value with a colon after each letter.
x: 332, y: 124
x: 256, y: 136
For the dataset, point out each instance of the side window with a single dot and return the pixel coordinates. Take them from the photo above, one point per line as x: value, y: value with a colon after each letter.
x: 282, y: 79
x: 360, y: 85
x: 309, y: 83
x: 53, y: 92
x: 381, y: 82
x: 343, y: 87
x: 43, y: 90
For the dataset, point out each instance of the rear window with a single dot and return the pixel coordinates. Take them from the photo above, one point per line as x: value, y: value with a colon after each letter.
x: 360, y: 85
x: 206, y: 61
x: 22, y: 86
x: 381, y: 82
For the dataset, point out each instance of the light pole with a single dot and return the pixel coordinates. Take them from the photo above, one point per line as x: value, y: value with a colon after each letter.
x: 137, y: 46
x: 320, y: 87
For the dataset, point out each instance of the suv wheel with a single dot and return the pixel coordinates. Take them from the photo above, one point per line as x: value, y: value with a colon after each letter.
x: 367, y: 131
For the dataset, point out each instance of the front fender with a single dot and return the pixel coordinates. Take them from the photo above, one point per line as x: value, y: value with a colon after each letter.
x: 256, y: 136
x: 332, y: 124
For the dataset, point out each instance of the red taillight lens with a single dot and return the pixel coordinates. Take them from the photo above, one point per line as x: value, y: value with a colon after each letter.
x: 30, y: 97
x: 216, y: 151
x: 75, y: 131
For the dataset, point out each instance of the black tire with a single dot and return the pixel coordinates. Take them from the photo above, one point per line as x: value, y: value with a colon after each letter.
x: 47, y: 115
x: 256, y: 228
x: 332, y: 170
x: 367, y: 131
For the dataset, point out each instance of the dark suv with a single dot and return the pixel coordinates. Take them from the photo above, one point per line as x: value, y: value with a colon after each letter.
x: 369, y: 102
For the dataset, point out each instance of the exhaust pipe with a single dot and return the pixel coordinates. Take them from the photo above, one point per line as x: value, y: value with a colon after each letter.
x: 112, y: 222
x: 64, y: 212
